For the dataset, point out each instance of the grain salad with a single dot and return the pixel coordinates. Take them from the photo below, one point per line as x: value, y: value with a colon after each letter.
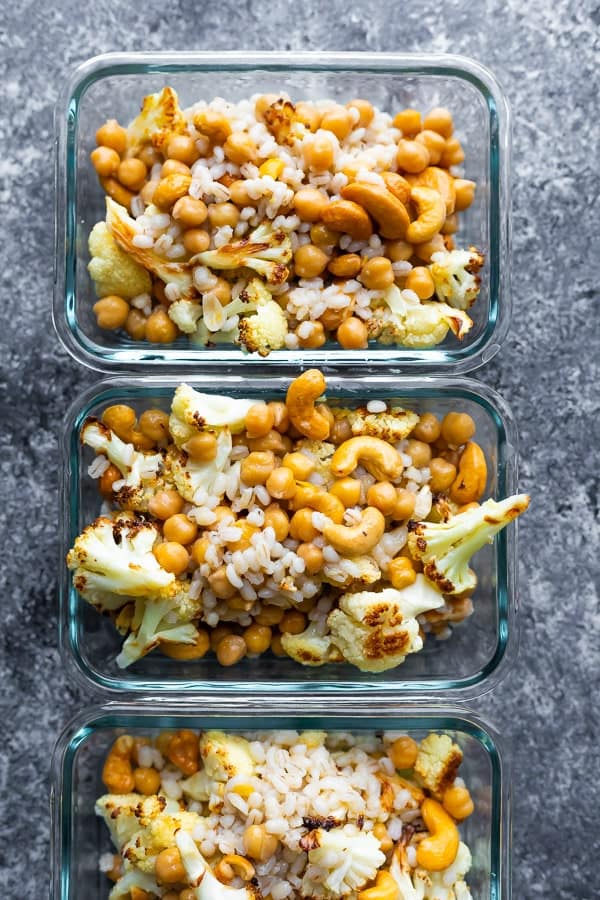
x: 322, y: 532
x: 274, y: 224
x: 285, y: 814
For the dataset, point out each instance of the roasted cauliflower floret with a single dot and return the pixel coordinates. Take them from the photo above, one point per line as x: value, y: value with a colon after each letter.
x: 375, y: 631
x: 358, y: 570
x: 186, y: 315
x: 157, y: 834
x: 119, y: 814
x: 455, y: 277
x: 159, y: 118
x: 193, y: 479
x: 321, y: 453
x: 192, y: 412
x: 340, y: 862
x: 449, y: 884
x: 225, y: 755
x: 437, y: 763
x: 144, y: 882
x: 265, y: 330
x: 156, y: 619
x: 112, y: 270
x: 406, y: 320
x: 445, y: 548
x: 393, y: 425
x: 310, y: 647
x: 265, y: 250
x: 199, y: 873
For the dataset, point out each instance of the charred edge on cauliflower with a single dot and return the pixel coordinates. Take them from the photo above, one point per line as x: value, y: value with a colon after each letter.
x: 324, y: 822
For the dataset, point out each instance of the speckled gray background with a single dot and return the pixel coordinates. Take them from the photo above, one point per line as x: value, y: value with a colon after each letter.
x: 547, y: 55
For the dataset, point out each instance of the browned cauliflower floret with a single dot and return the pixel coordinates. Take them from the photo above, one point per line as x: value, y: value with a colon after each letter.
x: 112, y: 270
x: 437, y: 762
x: 160, y: 117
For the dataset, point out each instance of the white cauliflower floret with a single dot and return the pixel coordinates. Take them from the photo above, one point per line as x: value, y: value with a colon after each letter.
x: 159, y: 118
x: 119, y: 814
x: 445, y: 548
x: 192, y: 412
x: 115, y: 556
x: 265, y: 250
x: 393, y: 425
x: 375, y: 631
x: 411, y: 322
x: 265, y: 330
x: 199, y: 873
x: 448, y: 884
x: 195, y: 479
x: 156, y: 834
x: 134, y: 878
x: 340, y: 862
x: 157, y: 619
x: 199, y: 786
x: 185, y: 314
x: 310, y: 647
x: 320, y: 453
x: 437, y: 762
x: 455, y: 277
x: 225, y: 755
x: 359, y: 569
x: 112, y: 270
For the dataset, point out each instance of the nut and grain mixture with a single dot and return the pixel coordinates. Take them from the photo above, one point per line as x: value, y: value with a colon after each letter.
x: 273, y: 224
x: 216, y: 816
x: 320, y: 532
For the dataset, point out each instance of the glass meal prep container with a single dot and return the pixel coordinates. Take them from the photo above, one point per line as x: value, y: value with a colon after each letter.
x: 114, y: 85
x: 79, y: 837
x: 469, y: 663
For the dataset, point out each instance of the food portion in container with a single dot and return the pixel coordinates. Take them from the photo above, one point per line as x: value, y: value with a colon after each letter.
x: 319, y: 532
x: 285, y: 814
x: 276, y: 224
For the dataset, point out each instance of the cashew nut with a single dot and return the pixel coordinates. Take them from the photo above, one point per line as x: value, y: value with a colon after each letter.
x: 300, y: 401
x: 438, y: 851
x: 231, y: 865
x: 349, y: 217
x: 385, y: 888
x: 378, y: 457
x: 117, y: 772
x: 397, y: 185
x: 317, y: 498
x: 438, y: 180
x: 432, y: 215
x: 471, y: 479
x: 389, y: 212
x: 356, y: 540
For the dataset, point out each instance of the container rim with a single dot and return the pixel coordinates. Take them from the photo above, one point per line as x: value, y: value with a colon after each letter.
x: 457, y: 359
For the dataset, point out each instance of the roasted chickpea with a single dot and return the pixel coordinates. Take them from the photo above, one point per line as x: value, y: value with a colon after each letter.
x: 439, y: 119
x: 168, y: 867
x: 310, y: 203
x: 450, y: 226
x: 172, y: 556
x: 263, y: 102
x: 277, y: 519
x: 365, y: 112
x: 420, y: 281
x: 259, y: 844
x: 401, y: 573
x: 111, y: 312
x: 154, y: 423
x: 352, y: 334
x: 220, y: 214
x: 318, y: 153
x: 147, y: 191
x: 231, y: 649
x: 338, y: 120
x: 113, y: 135
x: 269, y: 615
x: 257, y: 638
x: 408, y: 121
x: 340, y: 431
x: 281, y: 483
x: 180, y: 528
x: 183, y: 148
x: 197, y: 650
x: 239, y: 194
x: 256, y: 467
x: 398, y: 251
x: 259, y: 420
x: 159, y: 327
x: 377, y: 273
x: 281, y: 419
x: 405, y: 504
x: 273, y: 440
x: 457, y: 428
x: 465, y: 193
x: 347, y: 490
x: 107, y: 479
x: 149, y: 156
x: 132, y: 173
x: 218, y: 633
x: 453, y: 153
x: 300, y: 464
x: 120, y: 419
x: 382, y: 496
x: 427, y: 429
x: 346, y: 266
x: 312, y: 556
x: 458, y: 802
x: 434, y: 142
x: 222, y: 291
x: 116, y: 191
x: 190, y: 212
x: 310, y: 261
x: 214, y: 125
x: 309, y: 115
x: 105, y: 160
x: 382, y: 835
x: 443, y: 474
x: 403, y: 752
x: 412, y: 156
x: 425, y: 251
x: 322, y: 236
x: 174, y: 167
x: 196, y: 240
x: 293, y: 622
x: 199, y: 549
x: 165, y: 504
x: 202, y: 447
x: 419, y: 452
x: 276, y: 646
x: 141, y: 441
x: 301, y: 526
x: 240, y: 148
x: 169, y: 190
x: 147, y: 780
x: 315, y: 337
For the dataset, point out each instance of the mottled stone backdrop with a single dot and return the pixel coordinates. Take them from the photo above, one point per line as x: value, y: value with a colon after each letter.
x: 547, y: 56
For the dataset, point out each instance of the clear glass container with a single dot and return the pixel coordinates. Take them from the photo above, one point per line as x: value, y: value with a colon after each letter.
x: 79, y: 837
x: 467, y: 664
x: 113, y: 85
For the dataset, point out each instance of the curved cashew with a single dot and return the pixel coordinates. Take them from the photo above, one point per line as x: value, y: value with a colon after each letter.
x: 438, y: 851
x: 317, y: 498
x: 378, y: 457
x: 471, y: 479
x: 117, y: 772
x: 356, y: 540
x: 438, y: 180
x: 231, y: 865
x: 432, y: 215
x: 389, y: 212
x: 385, y: 888
x: 300, y: 401
x: 397, y: 185
x: 349, y: 217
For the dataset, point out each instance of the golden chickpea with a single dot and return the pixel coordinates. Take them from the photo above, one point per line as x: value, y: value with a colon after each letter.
x: 403, y: 752
x: 451, y: 456
x: 419, y: 452
x: 220, y: 214
x: 259, y: 420
x: 301, y: 526
x: 427, y: 429
x: 199, y: 549
x: 377, y: 273
x: 174, y: 167
x: 425, y: 251
x: 240, y: 148
x: 277, y: 519
x: 412, y: 157
x: 365, y: 111
x: 352, y: 334
x: 218, y: 633
x: 190, y: 212
x: 434, y: 142
x: 147, y: 192
x: 382, y: 496
x: 141, y: 441
x: 269, y: 615
x: 257, y: 638
x: 277, y: 646
x: 273, y: 440
x: 340, y: 431
x: 132, y: 173
x: 256, y: 467
x: 159, y: 327
x: 181, y: 529
x: 457, y: 428
x: 222, y: 291
x: 165, y: 504
x: 263, y: 102
x: 420, y: 281
x: 112, y: 135
x: 120, y: 419
x: 338, y: 120
x: 405, y: 504
x: 439, y: 119
x: 293, y: 622
x: 310, y: 261
x: 312, y: 556
x: 458, y: 802
x: 300, y: 464
x: 318, y: 153
x: 197, y: 650
x: 231, y: 649
x: 450, y: 226
x: 196, y: 240
x: 238, y: 193
x: 168, y: 867
x: 170, y: 189
x: 346, y: 266
x: 322, y: 236
x: 221, y: 585
x: 408, y: 121
x: 172, y: 556
x: 107, y: 479
x: 281, y: 419
x: 149, y: 156
x: 443, y: 474
x: 154, y: 423
x: 309, y: 115
x: 105, y: 160
x: 453, y: 153
x: 401, y: 573
x: 116, y: 191
x: 281, y: 483
x: 183, y: 148
x: 259, y: 844
x: 398, y: 251
x: 347, y: 490
x: 147, y: 780
x: 213, y: 125
x: 111, y: 312
x: 465, y: 193
x: 186, y: 894
x: 202, y: 447
x: 315, y: 338
x: 310, y: 204
x: 382, y: 835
